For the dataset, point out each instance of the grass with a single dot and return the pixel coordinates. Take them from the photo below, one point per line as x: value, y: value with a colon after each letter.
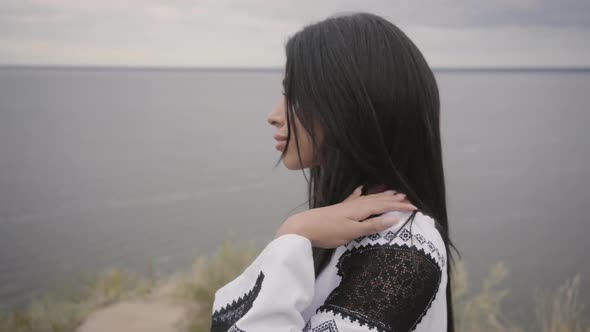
x: 63, y: 311
x: 209, y: 274
x: 559, y: 310
x: 477, y: 310
x: 562, y: 311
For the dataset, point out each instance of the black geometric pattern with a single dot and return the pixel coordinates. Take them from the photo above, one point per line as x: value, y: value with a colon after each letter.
x: 420, y: 238
x: 431, y: 246
x: 374, y: 236
x: 223, y: 320
x: 234, y: 328
x: 405, y: 235
x: 387, y: 287
x: 389, y: 235
x: 360, y: 238
x: 307, y: 326
x: 327, y: 326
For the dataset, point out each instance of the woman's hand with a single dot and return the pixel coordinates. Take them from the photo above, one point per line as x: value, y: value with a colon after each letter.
x: 338, y: 224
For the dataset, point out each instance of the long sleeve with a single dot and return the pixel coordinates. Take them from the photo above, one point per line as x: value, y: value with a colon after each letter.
x: 382, y: 287
x: 279, y: 284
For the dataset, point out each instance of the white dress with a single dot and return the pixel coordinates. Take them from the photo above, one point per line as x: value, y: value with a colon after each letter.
x: 390, y: 281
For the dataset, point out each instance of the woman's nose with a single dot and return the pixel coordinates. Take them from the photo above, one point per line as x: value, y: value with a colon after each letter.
x: 272, y: 121
x: 274, y: 117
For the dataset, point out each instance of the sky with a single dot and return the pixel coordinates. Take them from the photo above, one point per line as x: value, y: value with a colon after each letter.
x: 252, y: 33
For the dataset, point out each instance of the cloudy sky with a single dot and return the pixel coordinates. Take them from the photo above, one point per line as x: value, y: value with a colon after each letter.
x: 252, y: 33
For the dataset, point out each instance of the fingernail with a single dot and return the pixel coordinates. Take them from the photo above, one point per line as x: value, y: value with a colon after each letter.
x: 388, y: 222
x: 390, y: 192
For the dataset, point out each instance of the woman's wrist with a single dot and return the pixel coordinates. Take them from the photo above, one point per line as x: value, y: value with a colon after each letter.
x: 290, y: 226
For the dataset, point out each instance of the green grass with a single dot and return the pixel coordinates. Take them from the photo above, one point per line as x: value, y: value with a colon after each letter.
x: 477, y: 310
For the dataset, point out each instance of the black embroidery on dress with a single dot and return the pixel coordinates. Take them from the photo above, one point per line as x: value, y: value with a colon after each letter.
x: 431, y: 246
x: 234, y: 328
x: 420, y: 238
x: 374, y: 236
x: 327, y: 326
x: 405, y: 235
x: 223, y: 320
x: 360, y: 238
x: 389, y: 235
x: 389, y: 287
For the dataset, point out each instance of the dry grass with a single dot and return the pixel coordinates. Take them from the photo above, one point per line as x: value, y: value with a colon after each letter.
x: 482, y: 311
x: 62, y: 312
x: 477, y: 310
x: 209, y: 274
x: 562, y: 310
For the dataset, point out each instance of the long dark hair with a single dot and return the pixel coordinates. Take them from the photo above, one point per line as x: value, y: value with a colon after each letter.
x: 366, y: 85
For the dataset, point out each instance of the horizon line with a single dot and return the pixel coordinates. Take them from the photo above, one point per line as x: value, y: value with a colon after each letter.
x: 272, y: 69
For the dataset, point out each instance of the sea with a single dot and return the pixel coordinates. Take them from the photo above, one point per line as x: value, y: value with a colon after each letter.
x: 134, y: 167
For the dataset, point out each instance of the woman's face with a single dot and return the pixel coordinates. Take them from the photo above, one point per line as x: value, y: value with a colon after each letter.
x: 278, y: 119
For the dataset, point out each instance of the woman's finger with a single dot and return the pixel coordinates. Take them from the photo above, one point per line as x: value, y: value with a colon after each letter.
x: 355, y: 194
x: 371, y: 207
x: 375, y: 224
x: 399, y: 206
x: 395, y: 199
x: 388, y: 193
x: 390, y: 197
x: 394, y: 203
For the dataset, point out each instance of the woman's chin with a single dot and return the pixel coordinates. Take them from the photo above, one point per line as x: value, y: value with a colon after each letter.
x: 291, y: 164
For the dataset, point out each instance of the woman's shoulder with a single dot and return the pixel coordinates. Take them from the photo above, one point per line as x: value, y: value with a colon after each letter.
x: 416, y: 233
x: 393, y: 279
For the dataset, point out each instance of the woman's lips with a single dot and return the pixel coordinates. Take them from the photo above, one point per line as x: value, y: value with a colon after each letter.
x: 281, y: 141
x: 280, y: 145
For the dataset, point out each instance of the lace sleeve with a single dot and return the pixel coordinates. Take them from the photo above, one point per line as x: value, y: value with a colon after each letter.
x: 383, y: 287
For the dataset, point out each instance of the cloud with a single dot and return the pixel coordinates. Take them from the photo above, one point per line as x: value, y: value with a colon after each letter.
x: 439, y: 13
x: 252, y: 33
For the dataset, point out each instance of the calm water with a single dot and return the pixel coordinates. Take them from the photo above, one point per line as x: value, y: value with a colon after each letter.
x: 104, y: 168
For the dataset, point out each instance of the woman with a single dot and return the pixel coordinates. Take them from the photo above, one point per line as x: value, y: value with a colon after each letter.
x: 363, y: 107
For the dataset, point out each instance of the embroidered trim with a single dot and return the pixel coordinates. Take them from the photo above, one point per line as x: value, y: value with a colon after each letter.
x: 360, y: 238
x: 234, y: 328
x: 224, y: 319
x: 327, y: 326
x: 403, y: 234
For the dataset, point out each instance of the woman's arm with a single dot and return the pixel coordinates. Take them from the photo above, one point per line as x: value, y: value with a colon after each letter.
x: 276, y: 287
x: 383, y: 287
